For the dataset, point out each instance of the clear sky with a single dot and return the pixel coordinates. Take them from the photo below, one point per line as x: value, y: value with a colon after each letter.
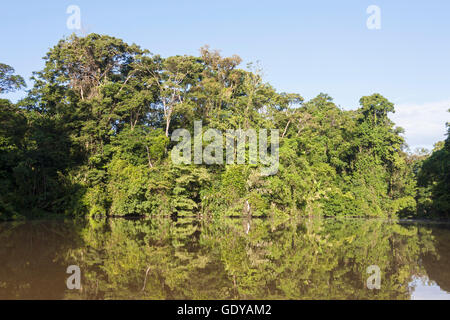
x: 306, y: 47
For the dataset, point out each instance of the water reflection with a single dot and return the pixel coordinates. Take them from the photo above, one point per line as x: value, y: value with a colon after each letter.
x: 226, y: 259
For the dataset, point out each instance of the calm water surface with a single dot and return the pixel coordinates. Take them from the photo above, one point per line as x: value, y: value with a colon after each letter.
x: 227, y: 259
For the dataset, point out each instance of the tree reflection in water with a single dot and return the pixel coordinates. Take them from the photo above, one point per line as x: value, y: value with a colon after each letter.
x: 224, y: 259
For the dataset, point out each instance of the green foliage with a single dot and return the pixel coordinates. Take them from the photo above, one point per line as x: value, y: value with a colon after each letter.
x: 8, y: 80
x: 92, y: 137
x: 434, y: 181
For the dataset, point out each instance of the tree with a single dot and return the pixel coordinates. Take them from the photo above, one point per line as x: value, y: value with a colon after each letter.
x: 434, y: 181
x: 92, y: 137
x: 8, y: 80
x: 174, y: 80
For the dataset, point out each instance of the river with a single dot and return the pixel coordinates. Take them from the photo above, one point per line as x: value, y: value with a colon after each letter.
x: 228, y: 258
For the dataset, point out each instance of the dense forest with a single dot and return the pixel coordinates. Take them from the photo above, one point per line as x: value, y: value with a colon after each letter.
x: 92, y: 137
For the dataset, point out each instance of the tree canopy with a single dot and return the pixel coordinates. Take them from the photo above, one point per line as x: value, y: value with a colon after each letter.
x: 93, y: 137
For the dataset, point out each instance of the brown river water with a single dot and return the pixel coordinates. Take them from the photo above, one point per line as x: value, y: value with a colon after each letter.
x: 230, y: 258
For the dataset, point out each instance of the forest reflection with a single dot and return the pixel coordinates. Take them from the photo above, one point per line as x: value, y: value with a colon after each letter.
x: 191, y: 258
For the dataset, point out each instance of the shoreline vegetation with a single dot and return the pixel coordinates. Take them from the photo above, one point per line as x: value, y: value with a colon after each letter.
x: 58, y: 217
x: 92, y: 138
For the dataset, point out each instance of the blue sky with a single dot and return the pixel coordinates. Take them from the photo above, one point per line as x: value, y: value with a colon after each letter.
x: 303, y: 46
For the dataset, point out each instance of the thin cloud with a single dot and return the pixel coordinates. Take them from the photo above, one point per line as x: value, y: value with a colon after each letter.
x: 424, y: 124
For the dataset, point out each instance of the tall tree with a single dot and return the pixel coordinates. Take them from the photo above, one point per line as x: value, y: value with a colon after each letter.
x: 8, y: 80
